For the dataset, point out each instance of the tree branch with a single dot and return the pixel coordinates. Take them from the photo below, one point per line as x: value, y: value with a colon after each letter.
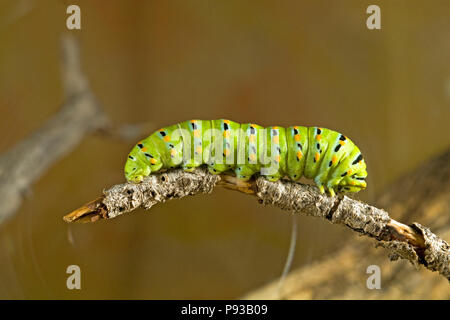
x: 414, y: 242
x: 420, y: 194
x: 27, y: 161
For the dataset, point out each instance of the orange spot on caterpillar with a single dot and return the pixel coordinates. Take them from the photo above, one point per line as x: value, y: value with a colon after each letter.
x: 334, y: 159
x: 297, y: 137
x: 251, y: 138
x: 144, y: 149
x: 173, y: 152
x: 353, y: 183
x: 275, y: 127
x: 276, y: 139
x: 199, y: 149
x: 299, y: 154
x: 153, y: 161
x: 196, y: 133
x: 318, y: 137
x: 277, y: 158
x: 226, y: 152
x: 341, y: 142
x: 192, y: 121
x: 226, y: 134
x: 166, y: 138
x: 317, y: 156
x: 226, y: 121
x: 252, y: 157
x: 349, y: 172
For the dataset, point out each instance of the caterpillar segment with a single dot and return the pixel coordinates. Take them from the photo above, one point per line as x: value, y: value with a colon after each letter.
x: 329, y: 158
x: 250, y: 139
x: 297, y: 145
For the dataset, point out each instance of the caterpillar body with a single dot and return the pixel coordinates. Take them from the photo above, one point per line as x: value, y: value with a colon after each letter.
x: 331, y: 159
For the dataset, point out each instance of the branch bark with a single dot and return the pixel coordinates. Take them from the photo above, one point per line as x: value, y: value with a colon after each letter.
x: 422, y: 194
x: 414, y: 242
x: 27, y: 161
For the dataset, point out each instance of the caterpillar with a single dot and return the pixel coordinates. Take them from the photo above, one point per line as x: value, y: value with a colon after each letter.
x: 329, y: 158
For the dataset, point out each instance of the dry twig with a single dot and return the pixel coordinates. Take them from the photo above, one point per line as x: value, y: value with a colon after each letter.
x: 414, y: 242
x: 78, y: 116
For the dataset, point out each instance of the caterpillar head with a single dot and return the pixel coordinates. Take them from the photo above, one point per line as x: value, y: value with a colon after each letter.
x: 140, y: 164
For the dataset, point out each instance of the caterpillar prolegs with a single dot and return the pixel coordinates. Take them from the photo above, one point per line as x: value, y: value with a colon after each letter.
x: 331, y: 159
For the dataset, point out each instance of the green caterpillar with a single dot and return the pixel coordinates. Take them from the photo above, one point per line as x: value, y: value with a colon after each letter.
x: 331, y: 159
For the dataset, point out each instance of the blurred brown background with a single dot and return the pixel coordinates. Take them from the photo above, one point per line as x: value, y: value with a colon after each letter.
x: 161, y: 62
